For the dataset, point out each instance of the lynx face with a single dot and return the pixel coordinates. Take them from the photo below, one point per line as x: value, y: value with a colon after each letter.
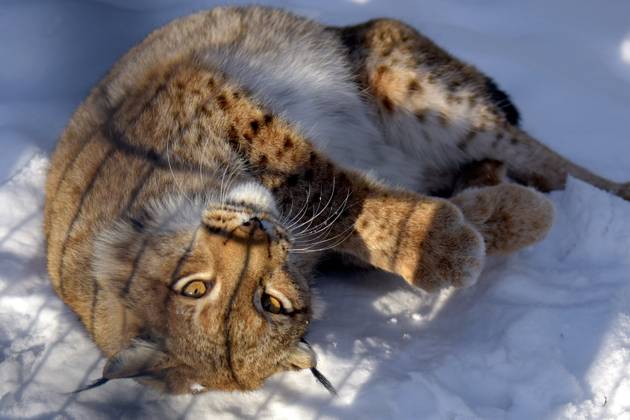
x: 223, y: 305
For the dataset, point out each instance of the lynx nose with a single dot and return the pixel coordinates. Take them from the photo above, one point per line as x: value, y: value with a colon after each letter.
x: 252, y: 226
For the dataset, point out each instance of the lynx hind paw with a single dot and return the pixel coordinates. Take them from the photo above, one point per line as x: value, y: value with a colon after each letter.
x: 508, y: 216
x: 450, y: 253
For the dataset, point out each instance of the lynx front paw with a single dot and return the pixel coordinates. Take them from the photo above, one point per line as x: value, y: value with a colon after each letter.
x: 441, y: 249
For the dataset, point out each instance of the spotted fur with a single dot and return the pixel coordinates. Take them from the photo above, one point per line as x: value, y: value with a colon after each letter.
x: 238, y: 145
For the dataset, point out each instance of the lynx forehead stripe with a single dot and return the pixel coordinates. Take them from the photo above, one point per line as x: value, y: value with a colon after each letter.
x: 79, y: 209
x: 227, y: 318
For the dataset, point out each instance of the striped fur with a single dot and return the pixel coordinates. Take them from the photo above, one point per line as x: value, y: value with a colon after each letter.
x: 203, y: 127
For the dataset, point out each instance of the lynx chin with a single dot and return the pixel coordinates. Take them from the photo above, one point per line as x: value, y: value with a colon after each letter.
x: 194, y: 190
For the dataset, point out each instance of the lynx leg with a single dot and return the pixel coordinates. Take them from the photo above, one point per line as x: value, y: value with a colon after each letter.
x: 508, y: 216
x: 479, y: 173
x: 425, y: 240
x: 449, y: 113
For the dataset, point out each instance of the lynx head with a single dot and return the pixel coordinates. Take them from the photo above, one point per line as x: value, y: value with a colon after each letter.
x: 218, y: 301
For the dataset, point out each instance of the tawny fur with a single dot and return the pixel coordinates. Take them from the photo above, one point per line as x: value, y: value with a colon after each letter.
x: 240, y: 144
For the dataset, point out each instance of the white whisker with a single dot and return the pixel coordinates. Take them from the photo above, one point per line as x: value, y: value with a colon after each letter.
x: 327, y: 223
x: 293, y: 221
x: 349, y: 230
x: 284, y: 218
x: 315, y: 216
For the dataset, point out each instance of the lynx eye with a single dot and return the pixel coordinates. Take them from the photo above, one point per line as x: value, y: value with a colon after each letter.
x: 195, y: 289
x: 271, y: 304
x: 196, y: 285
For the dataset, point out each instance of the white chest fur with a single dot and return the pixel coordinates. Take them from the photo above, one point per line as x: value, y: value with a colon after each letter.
x: 301, y: 73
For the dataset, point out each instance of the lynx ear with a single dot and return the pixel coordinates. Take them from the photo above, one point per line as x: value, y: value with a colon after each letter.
x: 140, y: 358
x: 301, y: 357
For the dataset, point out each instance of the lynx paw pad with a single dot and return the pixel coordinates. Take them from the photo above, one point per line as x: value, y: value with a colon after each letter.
x: 444, y: 250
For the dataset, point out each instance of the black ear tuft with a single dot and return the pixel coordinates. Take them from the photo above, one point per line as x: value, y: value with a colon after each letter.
x: 140, y: 358
x: 324, y: 381
x: 94, y: 384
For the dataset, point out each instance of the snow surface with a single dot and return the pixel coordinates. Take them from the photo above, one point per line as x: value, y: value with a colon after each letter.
x: 544, y: 334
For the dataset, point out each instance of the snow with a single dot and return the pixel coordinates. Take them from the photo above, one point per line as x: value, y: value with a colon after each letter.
x: 543, y: 334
